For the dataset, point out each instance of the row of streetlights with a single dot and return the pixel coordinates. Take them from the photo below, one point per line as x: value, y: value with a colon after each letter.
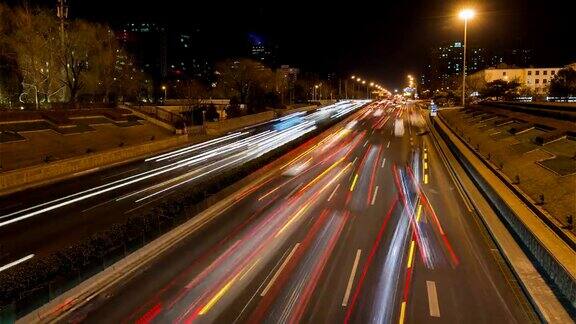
x: 368, y: 85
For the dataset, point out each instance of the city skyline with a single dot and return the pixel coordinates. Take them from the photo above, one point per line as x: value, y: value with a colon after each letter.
x: 327, y: 39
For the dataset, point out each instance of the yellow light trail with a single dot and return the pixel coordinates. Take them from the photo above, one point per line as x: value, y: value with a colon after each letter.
x: 293, y: 218
x: 402, y: 312
x: 418, y: 213
x: 354, y: 182
x: 270, y: 192
x: 321, y: 175
x: 312, y: 199
x: 426, y: 179
x: 299, y: 156
x: 410, y: 255
x: 249, y: 269
x: 217, y: 297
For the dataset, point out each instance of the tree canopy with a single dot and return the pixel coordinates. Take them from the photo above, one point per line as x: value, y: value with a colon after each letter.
x: 564, y: 82
x: 50, y: 66
x: 500, y: 89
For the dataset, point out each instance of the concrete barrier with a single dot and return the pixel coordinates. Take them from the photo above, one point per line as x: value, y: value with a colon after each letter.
x: 227, y: 125
x: 555, y: 258
x: 24, y: 178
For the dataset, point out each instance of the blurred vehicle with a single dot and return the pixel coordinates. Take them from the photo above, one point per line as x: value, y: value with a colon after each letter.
x: 399, y: 127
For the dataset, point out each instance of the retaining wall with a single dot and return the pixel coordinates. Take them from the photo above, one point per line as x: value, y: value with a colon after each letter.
x: 227, y: 125
x: 20, y: 179
x: 285, y: 112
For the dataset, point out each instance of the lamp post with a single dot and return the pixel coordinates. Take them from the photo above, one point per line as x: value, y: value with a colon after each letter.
x: 465, y: 15
x: 164, y: 88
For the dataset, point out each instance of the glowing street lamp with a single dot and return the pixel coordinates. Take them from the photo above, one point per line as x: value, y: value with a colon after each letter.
x: 164, y: 88
x: 465, y: 15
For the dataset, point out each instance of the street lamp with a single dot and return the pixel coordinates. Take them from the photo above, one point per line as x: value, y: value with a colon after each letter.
x: 465, y: 15
x: 164, y: 88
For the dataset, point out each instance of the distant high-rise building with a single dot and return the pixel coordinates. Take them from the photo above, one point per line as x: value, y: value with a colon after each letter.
x: 289, y: 73
x: 261, y: 50
x: 445, y: 63
x: 166, y: 54
x: 147, y: 42
x: 186, y: 58
x: 518, y: 57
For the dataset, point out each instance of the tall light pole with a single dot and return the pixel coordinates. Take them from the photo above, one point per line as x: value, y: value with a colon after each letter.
x: 465, y: 15
x: 62, y: 13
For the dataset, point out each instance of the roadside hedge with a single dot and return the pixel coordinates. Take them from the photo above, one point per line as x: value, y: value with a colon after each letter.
x: 30, y: 284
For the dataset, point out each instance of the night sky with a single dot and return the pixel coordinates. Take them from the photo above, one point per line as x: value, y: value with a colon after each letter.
x: 383, y: 40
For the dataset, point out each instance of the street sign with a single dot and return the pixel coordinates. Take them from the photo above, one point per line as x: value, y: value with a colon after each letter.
x: 433, y: 109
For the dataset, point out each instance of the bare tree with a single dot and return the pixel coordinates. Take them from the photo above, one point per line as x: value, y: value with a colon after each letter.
x: 81, y: 44
x: 240, y: 78
x: 34, y: 42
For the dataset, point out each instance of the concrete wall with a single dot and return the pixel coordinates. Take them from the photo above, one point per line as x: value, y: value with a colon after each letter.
x: 227, y: 125
x: 185, y: 102
x: 326, y: 102
x: 40, y: 174
x: 153, y: 120
x: 285, y: 112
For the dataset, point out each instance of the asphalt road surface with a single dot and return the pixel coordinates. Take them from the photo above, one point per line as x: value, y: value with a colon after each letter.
x: 364, y: 227
x: 40, y: 221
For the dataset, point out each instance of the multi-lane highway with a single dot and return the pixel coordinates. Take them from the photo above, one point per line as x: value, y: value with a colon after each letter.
x: 364, y: 226
x: 40, y: 221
